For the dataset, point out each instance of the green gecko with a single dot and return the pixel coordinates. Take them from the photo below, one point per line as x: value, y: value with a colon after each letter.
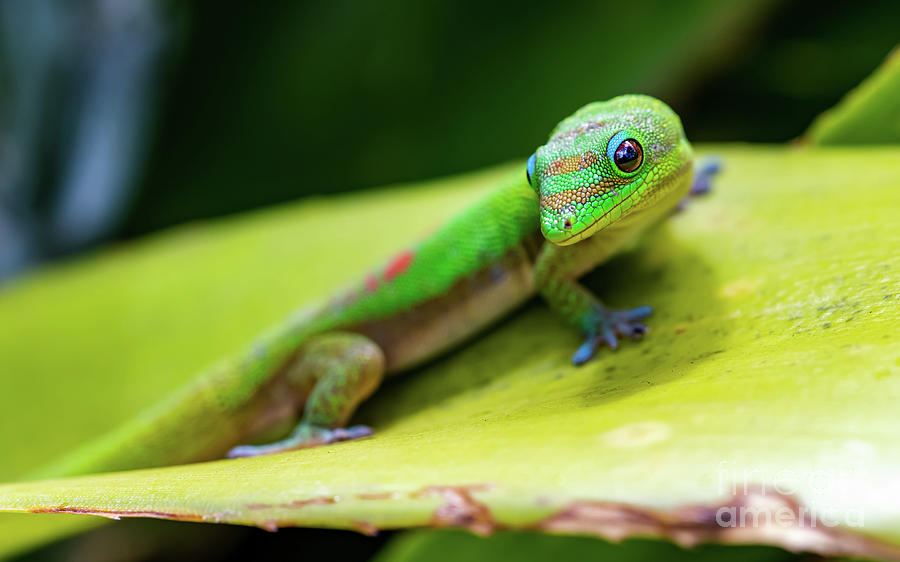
x: 607, y: 173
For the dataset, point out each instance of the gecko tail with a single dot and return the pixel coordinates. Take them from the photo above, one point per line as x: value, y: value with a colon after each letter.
x: 222, y: 407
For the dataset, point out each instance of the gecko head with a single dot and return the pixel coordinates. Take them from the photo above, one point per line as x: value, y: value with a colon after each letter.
x: 607, y: 162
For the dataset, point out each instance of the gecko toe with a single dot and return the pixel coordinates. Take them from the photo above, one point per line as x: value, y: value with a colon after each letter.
x: 348, y: 433
x: 303, y: 437
x: 608, y: 327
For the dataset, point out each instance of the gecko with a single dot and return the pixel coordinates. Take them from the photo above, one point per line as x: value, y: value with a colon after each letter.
x: 607, y: 173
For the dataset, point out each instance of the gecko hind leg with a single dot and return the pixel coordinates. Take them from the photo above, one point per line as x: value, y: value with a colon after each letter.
x: 342, y: 369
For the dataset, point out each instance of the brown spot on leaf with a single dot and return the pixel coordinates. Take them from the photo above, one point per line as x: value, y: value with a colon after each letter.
x: 378, y: 496
x: 296, y: 503
x: 460, y: 509
x: 777, y: 519
x: 118, y: 514
x: 365, y: 528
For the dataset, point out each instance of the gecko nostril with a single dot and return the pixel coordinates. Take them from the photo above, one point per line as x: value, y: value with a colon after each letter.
x: 568, y: 224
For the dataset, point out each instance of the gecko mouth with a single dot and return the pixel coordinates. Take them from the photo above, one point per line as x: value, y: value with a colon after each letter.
x: 580, y: 235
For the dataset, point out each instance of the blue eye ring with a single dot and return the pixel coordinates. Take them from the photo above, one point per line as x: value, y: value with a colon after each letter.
x: 627, y: 141
x: 529, y: 168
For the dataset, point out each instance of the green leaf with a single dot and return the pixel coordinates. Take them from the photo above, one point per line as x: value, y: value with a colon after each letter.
x: 773, y: 360
x: 868, y: 114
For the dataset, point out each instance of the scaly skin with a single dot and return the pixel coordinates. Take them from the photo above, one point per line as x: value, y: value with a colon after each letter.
x: 586, y: 196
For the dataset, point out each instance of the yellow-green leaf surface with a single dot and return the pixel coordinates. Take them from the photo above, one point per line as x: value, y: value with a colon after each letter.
x: 868, y: 114
x: 773, y: 360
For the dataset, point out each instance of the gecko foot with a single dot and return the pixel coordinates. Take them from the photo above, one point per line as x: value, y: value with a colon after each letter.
x: 703, y: 178
x: 304, y: 436
x: 706, y: 169
x: 610, y: 324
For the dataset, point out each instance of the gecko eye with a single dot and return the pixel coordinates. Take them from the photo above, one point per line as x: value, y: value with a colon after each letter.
x: 529, y: 169
x: 629, y: 155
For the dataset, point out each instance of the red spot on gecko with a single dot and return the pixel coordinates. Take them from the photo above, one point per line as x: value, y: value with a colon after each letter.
x: 371, y: 283
x: 398, y: 265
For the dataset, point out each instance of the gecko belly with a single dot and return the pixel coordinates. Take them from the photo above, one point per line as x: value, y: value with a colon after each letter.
x: 413, y: 336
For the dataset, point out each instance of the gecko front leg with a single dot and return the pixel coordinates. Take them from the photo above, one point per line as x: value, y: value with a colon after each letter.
x: 336, y: 372
x: 556, y: 275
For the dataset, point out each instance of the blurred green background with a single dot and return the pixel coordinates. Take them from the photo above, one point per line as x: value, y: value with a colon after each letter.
x: 118, y: 118
x: 122, y: 117
x: 269, y: 102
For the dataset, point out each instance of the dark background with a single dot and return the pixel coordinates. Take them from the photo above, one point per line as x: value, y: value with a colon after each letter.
x: 272, y: 101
